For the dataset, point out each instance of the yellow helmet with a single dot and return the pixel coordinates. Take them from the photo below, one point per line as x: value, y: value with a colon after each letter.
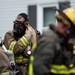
x: 70, y: 13
x: 67, y: 16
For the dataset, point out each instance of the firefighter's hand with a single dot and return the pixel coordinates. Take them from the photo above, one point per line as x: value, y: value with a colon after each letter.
x: 33, y: 34
x: 30, y: 33
x: 31, y: 30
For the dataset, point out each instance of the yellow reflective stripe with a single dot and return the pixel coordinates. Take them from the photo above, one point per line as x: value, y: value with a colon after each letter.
x: 74, y: 52
x: 59, y: 66
x: 55, y: 71
x: 74, y: 49
x: 11, y: 47
x: 34, y: 46
x: 31, y: 61
x: 31, y: 66
x: 24, y: 41
x: 59, y: 72
x: 61, y: 69
x: 73, y: 46
x: 20, y: 59
x: 24, y: 38
x: 58, y: 69
x: 25, y: 59
x: 31, y: 58
x: 72, y: 70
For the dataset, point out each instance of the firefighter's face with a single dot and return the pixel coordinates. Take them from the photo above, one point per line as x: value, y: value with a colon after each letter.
x: 61, y: 27
x: 63, y: 24
x: 19, y: 27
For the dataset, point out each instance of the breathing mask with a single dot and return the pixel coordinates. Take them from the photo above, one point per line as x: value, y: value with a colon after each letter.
x: 19, y: 29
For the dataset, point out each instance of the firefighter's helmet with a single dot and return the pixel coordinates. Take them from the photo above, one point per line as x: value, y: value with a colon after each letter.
x: 67, y: 15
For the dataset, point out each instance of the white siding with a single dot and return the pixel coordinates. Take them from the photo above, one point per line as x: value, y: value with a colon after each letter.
x: 9, y: 9
x: 73, y: 3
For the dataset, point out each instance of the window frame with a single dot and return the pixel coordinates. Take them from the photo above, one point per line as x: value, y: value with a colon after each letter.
x: 45, y: 15
x: 40, y: 13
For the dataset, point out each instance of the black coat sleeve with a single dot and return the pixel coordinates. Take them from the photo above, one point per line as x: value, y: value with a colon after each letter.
x: 43, y: 55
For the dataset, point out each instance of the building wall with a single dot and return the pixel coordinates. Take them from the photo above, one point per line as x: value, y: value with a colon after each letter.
x: 9, y: 9
x: 73, y: 3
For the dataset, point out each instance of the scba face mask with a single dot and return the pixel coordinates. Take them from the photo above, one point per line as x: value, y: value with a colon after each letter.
x: 19, y: 29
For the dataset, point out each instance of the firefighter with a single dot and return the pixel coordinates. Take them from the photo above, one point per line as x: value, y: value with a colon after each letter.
x: 21, y: 40
x: 55, y: 54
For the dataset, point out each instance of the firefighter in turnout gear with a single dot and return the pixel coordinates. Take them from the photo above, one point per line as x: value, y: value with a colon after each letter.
x: 55, y: 54
x: 21, y: 40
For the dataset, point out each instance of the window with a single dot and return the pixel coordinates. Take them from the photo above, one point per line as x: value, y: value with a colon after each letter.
x: 32, y: 11
x: 49, y: 16
x: 64, y: 5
